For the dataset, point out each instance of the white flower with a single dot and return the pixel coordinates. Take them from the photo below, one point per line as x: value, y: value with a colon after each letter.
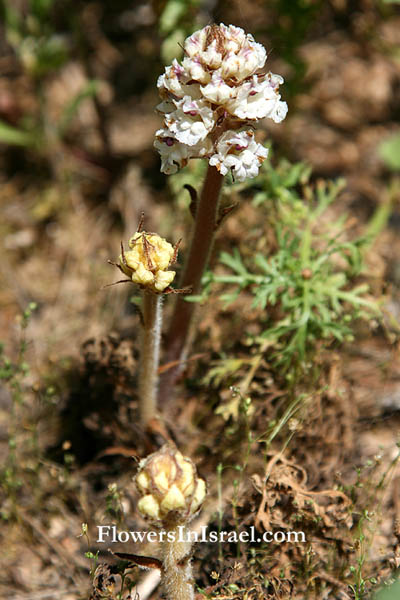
x: 191, y: 122
x: 170, y: 488
x: 217, y: 91
x: 195, y: 43
x: 279, y: 112
x: 211, y: 96
x: 165, y: 107
x: 228, y: 48
x: 173, y: 79
x: 239, y: 152
x: 175, y: 82
x: 257, y: 99
x: 235, y: 37
x: 195, y: 70
x: 244, y: 63
x: 174, y: 154
x: 211, y: 57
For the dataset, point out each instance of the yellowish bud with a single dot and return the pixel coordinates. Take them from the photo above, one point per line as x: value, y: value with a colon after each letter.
x: 149, y: 507
x: 160, y: 251
x: 199, y: 495
x: 187, y: 479
x: 173, y: 500
x: 131, y: 260
x: 147, y: 261
x: 142, y: 481
x: 143, y: 276
x: 162, y: 470
x: 161, y: 482
x: 171, y: 481
x: 163, y: 279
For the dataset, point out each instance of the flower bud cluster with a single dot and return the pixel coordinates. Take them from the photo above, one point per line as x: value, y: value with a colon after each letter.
x: 171, y: 491
x: 212, y: 100
x: 147, y: 261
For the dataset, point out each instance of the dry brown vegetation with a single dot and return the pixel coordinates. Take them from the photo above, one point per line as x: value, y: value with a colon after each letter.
x: 314, y: 458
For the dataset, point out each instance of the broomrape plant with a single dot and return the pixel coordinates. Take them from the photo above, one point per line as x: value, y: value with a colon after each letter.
x: 211, y: 103
x: 147, y: 263
x: 172, y: 494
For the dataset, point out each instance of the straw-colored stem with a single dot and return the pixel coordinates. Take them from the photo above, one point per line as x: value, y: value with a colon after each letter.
x: 150, y: 352
x: 177, y: 576
x: 202, y: 241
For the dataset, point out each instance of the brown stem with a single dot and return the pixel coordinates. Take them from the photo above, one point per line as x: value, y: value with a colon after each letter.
x: 202, y: 241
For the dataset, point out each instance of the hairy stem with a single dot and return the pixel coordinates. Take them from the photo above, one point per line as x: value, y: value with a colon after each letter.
x: 202, y: 241
x: 150, y: 352
x: 177, y: 571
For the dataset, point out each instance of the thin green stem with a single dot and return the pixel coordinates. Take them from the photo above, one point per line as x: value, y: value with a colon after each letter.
x: 178, y: 336
x: 150, y: 352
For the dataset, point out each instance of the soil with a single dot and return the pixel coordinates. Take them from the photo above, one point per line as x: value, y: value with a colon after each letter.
x: 65, y: 205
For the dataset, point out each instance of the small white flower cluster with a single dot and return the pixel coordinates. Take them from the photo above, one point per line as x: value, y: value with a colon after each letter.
x: 212, y: 101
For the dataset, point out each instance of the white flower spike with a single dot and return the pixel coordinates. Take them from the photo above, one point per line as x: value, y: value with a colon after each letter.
x: 213, y: 100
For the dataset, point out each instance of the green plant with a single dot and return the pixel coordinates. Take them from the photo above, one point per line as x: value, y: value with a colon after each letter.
x: 33, y: 36
x: 361, y: 583
x: 92, y: 557
x: 14, y: 373
x: 304, y: 283
x: 114, y: 507
x: 391, y: 592
x: 389, y: 151
x: 367, y: 493
x: 41, y: 51
x: 287, y: 30
x: 175, y: 23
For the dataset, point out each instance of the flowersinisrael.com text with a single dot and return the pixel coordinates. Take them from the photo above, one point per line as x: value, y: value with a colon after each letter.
x: 109, y: 533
